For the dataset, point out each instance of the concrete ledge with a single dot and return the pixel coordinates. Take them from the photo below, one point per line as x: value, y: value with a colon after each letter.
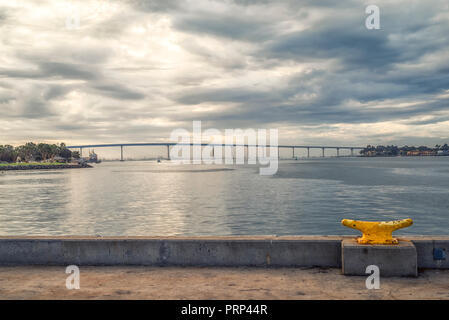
x: 285, y: 251
x: 392, y: 260
x: 425, y: 248
x: 173, y: 251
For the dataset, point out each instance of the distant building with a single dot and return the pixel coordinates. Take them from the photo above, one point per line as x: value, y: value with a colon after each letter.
x: 421, y: 153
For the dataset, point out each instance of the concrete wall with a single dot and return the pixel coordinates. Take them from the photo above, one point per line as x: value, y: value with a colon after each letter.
x: 300, y: 251
x: 425, y: 247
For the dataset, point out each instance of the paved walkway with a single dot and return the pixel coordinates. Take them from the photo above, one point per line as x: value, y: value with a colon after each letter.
x: 213, y: 283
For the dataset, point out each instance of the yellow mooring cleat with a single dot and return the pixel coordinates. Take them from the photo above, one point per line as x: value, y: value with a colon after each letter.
x: 377, y: 232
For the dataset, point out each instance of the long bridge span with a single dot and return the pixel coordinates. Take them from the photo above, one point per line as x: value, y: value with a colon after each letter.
x: 170, y: 144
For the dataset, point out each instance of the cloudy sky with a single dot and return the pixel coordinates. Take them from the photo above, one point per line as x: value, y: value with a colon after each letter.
x: 132, y: 71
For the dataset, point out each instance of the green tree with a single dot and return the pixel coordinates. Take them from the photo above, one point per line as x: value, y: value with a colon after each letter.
x: 28, y: 152
x: 45, y: 150
x: 64, y: 152
x: 7, y: 153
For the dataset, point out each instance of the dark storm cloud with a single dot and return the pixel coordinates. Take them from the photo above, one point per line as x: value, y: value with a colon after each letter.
x: 92, y: 74
x: 371, y: 66
x: 332, y: 104
x: 295, y: 4
x: 156, y: 6
x: 347, y: 39
x: 227, y: 95
x: 353, y: 44
x: 52, y: 69
x: 67, y: 71
x: 311, y: 115
x: 35, y: 109
x: 56, y: 91
x: 118, y: 91
x: 227, y: 26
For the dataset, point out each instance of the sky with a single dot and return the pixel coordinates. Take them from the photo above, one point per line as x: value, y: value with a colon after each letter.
x: 105, y: 71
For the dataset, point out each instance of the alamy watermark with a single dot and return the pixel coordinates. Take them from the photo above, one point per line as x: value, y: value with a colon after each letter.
x: 373, y: 20
x: 73, y: 280
x: 260, y: 146
x: 373, y: 281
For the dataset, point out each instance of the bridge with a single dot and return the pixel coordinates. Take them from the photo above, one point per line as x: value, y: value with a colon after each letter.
x: 170, y: 144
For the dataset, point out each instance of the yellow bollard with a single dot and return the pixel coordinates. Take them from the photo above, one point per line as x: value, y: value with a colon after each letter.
x: 377, y: 232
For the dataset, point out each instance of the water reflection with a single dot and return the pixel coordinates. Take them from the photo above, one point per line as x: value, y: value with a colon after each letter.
x: 149, y: 198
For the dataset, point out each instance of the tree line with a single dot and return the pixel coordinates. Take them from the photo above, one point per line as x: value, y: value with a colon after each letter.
x: 35, y: 152
x: 395, y: 150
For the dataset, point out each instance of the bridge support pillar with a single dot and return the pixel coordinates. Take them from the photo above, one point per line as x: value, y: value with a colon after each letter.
x: 168, y: 152
x: 352, y: 152
x: 338, y: 152
x: 322, y: 152
x: 293, y: 149
x: 121, y: 153
x: 308, y: 152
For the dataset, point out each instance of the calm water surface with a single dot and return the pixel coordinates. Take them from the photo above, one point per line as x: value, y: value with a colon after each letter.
x: 148, y: 198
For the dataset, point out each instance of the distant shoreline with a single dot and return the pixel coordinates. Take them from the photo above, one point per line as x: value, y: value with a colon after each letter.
x: 403, y: 156
x: 42, y: 166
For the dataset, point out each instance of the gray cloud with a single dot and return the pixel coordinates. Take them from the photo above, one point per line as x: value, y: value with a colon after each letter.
x: 371, y: 67
x: 56, y: 91
x: 226, y: 25
x: 118, y: 91
x: 67, y: 71
x: 156, y: 6
x: 155, y: 65
x: 52, y: 69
